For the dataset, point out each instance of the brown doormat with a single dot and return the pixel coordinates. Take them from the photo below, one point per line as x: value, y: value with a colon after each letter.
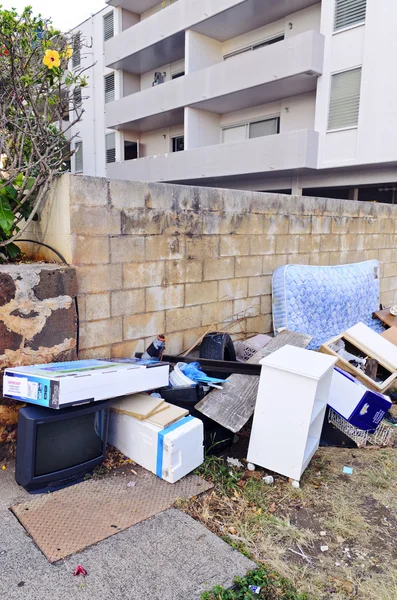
x: 67, y: 521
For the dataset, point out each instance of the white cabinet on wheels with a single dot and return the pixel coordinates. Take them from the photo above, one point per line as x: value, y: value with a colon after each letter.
x: 290, y: 410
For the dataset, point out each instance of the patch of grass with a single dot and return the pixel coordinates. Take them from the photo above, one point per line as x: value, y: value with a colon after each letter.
x: 346, y: 518
x: 237, y: 545
x: 271, y: 584
x: 218, y: 472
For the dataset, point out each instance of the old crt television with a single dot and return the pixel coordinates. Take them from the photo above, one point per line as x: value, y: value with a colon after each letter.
x: 57, y: 448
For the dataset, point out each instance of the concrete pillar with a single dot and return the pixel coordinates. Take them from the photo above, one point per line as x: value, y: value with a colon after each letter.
x: 353, y: 193
x: 202, y: 128
x: 201, y: 51
x: 296, y: 189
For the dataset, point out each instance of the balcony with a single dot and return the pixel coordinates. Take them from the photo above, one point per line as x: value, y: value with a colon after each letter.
x: 266, y: 75
x: 276, y: 153
x: 136, y: 6
x: 160, y: 39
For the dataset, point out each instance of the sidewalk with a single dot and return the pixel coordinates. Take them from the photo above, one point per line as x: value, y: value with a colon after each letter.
x: 169, y: 557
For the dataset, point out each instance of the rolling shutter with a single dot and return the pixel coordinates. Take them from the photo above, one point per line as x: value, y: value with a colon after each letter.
x: 109, y: 88
x: 76, y: 58
x: 345, y: 99
x: 108, y: 26
x: 349, y: 12
x: 78, y: 157
x: 77, y: 98
x: 110, y: 148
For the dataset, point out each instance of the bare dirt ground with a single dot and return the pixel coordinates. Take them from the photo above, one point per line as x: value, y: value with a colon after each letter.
x: 334, y: 538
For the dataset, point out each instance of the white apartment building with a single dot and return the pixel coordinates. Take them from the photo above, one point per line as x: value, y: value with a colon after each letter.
x: 269, y: 95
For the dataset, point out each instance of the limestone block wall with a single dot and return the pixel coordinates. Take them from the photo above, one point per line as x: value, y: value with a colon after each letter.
x: 154, y: 258
x: 38, y: 324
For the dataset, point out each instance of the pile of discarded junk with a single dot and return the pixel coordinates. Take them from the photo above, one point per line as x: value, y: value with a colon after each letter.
x: 326, y: 377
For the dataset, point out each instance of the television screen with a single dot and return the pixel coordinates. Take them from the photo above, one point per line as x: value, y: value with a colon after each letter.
x: 64, y: 444
x: 56, y: 448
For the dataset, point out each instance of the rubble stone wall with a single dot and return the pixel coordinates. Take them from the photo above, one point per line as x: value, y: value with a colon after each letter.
x: 154, y: 258
x: 38, y: 324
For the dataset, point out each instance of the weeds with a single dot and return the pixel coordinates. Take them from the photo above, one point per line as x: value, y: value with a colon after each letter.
x: 224, y: 478
x: 354, y: 516
x: 272, y: 587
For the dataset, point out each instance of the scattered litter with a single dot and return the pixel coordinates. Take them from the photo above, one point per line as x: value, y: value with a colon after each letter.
x: 193, y: 372
x: 250, y: 467
x: 301, y: 554
x: 323, y: 533
x: 4, y: 467
x: 339, y: 348
x: 269, y: 480
x: 80, y: 571
x: 255, y: 589
x: 324, y: 548
x: 234, y: 462
x: 134, y: 472
x: 131, y: 484
x: 393, y: 311
x: 252, y: 475
x: 156, y: 349
x: 296, y: 485
x: 348, y: 470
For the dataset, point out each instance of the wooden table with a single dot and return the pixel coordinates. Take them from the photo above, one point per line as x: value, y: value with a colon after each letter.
x: 386, y: 317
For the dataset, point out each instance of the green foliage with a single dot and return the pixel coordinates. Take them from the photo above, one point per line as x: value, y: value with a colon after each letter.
x: 217, y: 471
x: 36, y: 90
x: 273, y: 587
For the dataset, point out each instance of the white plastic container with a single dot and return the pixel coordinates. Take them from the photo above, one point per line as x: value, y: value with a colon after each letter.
x: 169, y: 453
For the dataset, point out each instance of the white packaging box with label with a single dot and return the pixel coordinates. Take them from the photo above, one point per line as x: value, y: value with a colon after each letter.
x: 59, y: 385
x: 169, y: 453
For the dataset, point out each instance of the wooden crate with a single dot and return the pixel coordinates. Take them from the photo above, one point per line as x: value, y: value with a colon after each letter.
x: 358, y: 374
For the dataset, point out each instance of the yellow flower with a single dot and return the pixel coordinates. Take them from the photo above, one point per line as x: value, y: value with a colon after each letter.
x: 69, y: 52
x: 51, y: 59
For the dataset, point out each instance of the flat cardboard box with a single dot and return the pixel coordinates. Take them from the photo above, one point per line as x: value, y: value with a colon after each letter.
x: 140, y: 406
x: 168, y: 417
x: 59, y: 385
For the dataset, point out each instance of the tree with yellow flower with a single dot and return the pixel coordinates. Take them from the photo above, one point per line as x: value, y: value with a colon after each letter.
x: 36, y: 92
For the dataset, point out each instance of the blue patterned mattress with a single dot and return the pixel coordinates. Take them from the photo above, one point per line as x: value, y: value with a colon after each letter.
x: 325, y: 301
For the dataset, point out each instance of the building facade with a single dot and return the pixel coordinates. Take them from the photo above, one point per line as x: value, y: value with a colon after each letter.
x: 293, y: 95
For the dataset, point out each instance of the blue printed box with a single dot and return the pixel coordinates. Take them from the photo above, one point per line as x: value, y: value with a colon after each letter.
x: 59, y: 385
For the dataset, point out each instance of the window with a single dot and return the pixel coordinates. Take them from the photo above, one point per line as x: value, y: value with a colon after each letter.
x: 344, y: 104
x: 76, y: 43
x: 110, y: 148
x: 349, y: 12
x: 269, y: 42
x: 108, y: 26
x: 254, y: 129
x: 130, y: 150
x: 109, y: 88
x: 263, y: 128
x: 178, y: 143
x: 177, y: 75
x: 77, y: 98
x: 78, y: 157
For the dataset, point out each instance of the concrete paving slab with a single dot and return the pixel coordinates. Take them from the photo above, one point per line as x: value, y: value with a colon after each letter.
x: 169, y: 557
